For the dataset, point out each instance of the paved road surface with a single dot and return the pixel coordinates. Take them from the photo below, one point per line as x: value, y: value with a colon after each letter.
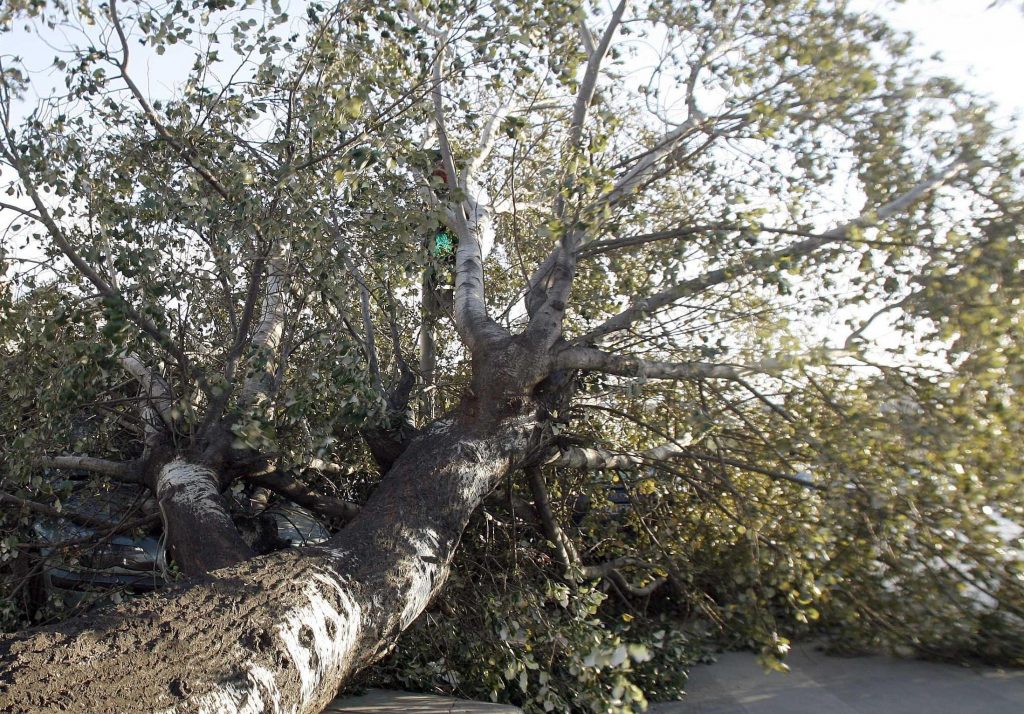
x: 818, y: 684
x: 378, y: 701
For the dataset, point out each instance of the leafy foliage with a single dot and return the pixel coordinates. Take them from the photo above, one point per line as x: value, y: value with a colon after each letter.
x: 860, y: 478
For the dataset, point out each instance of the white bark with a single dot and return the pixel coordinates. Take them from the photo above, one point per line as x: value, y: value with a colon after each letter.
x: 588, y: 358
x: 266, y: 341
x: 473, y: 221
x: 579, y: 457
x: 158, y: 392
x: 199, y: 533
x: 119, y: 470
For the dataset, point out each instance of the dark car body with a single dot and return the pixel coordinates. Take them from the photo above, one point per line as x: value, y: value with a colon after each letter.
x: 79, y: 575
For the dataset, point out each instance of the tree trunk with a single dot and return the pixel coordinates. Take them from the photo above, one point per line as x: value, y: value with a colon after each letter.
x: 282, y: 632
x: 199, y: 532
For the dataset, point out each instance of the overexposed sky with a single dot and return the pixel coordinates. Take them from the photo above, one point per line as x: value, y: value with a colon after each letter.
x: 981, y: 46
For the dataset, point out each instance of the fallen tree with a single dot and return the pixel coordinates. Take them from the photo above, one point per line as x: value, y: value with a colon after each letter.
x: 219, y: 266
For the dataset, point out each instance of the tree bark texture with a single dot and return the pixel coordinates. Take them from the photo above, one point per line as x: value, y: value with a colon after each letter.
x: 278, y: 633
x: 200, y: 534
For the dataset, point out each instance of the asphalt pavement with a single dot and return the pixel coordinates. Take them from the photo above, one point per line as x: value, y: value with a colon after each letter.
x: 820, y: 684
x: 815, y: 684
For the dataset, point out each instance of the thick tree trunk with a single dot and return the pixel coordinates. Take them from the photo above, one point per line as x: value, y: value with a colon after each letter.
x: 199, y: 532
x: 282, y: 632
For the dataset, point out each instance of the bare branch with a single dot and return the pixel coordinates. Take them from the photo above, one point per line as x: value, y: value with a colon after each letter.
x: 592, y: 248
x: 611, y: 570
x: 42, y: 508
x: 487, y: 139
x: 284, y: 485
x: 369, y: 337
x: 647, y: 163
x: 602, y: 459
x: 753, y: 468
x: 639, y: 309
x: 587, y: 38
x: 602, y: 569
x: 22, y: 211
x: 579, y: 457
x: 124, y: 471
x: 371, y: 342
x: 589, y: 84
x: 635, y: 590
x: 422, y: 23
x: 329, y: 467
x: 154, y: 386
x: 589, y: 358
x: 565, y: 551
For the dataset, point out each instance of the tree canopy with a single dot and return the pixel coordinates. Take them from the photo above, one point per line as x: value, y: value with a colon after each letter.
x: 754, y: 277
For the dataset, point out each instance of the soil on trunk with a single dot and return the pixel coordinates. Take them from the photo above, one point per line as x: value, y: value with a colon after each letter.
x: 278, y: 633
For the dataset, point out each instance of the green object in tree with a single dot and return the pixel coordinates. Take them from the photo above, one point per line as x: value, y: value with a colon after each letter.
x: 444, y: 245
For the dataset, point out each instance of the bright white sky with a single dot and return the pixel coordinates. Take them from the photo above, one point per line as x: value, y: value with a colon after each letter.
x: 981, y: 46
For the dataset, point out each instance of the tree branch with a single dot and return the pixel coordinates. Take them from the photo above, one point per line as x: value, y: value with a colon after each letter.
x: 647, y: 163
x: 639, y: 309
x: 591, y: 359
x: 364, y: 308
x: 548, y: 289
x: 266, y: 341
x: 124, y: 471
x: 63, y: 243
x: 43, y: 509
x: 595, y: 459
x: 635, y: 590
x: 188, y: 154
x: 154, y: 386
x: 284, y: 485
x: 469, y: 216
x: 579, y: 457
x: 565, y: 551
x: 586, y: 95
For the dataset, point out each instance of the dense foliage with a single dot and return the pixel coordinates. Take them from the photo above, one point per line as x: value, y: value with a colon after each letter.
x: 856, y: 474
